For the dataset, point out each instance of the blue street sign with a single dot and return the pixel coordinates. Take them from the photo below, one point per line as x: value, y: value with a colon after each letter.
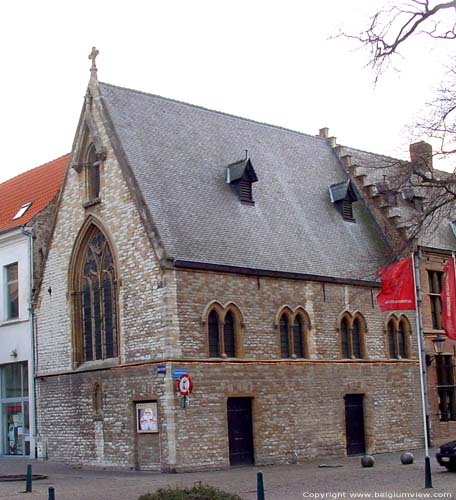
x: 161, y: 370
x: 179, y: 373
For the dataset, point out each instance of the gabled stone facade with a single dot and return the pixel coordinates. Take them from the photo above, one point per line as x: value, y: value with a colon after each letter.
x: 172, y: 312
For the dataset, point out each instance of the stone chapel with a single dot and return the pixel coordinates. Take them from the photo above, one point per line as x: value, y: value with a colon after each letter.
x: 189, y: 242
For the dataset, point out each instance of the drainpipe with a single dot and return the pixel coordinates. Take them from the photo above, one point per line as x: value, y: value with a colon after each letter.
x: 31, y: 371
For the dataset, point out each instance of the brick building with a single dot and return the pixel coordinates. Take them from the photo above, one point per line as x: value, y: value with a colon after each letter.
x: 397, y: 198
x: 191, y: 241
x: 27, y: 205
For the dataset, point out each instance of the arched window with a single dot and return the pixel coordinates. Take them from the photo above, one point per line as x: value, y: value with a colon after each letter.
x: 344, y: 332
x: 293, y: 328
x: 392, y: 338
x: 224, y: 325
x: 298, y: 344
x: 97, y: 401
x: 229, y: 336
x: 356, y: 339
x: 284, y: 341
x: 401, y: 339
x: 93, y: 175
x: 352, y: 336
x: 95, y: 303
x: 213, y: 327
x: 398, y: 337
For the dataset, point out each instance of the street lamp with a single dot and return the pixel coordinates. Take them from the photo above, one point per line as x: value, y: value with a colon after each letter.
x: 438, y: 343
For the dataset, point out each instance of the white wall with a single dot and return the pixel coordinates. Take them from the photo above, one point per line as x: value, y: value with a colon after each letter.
x: 16, y: 335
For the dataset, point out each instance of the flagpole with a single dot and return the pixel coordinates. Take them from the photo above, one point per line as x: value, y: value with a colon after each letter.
x: 422, y: 358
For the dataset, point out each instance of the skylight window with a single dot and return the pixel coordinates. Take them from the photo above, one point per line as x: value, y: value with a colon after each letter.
x: 22, y: 210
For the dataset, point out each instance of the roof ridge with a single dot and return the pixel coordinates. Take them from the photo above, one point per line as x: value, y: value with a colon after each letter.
x: 229, y: 115
x: 35, y: 168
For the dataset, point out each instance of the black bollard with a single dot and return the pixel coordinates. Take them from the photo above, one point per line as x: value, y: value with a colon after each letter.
x: 260, y: 486
x: 51, y: 493
x: 28, y: 480
x: 427, y: 473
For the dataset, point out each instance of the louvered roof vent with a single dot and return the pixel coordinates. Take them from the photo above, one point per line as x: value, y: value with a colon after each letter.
x: 343, y: 195
x: 241, y: 175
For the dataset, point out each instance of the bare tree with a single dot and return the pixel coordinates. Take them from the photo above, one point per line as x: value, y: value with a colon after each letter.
x: 390, y: 30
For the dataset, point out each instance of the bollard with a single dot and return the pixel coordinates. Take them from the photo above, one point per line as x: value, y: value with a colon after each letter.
x: 28, y: 480
x: 260, y: 486
x: 51, y: 493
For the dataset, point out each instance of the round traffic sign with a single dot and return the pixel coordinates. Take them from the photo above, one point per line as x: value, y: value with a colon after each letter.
x: 185, y: 385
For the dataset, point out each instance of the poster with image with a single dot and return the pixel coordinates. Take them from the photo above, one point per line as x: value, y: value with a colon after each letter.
x: 146, y: 417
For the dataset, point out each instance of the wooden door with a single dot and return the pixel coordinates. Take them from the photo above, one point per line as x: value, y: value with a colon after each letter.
x: 354, y: 424
x: 240, y: 431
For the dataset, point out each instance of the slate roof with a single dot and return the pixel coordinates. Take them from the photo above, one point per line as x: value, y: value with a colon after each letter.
x: 38, y: 186
x: 179, y: 154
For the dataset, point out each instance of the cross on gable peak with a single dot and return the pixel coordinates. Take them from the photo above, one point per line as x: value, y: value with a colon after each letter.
x: 92, y: 56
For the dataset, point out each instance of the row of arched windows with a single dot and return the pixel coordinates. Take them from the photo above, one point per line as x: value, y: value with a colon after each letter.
x: 95, y: 319
x: 225, y: 325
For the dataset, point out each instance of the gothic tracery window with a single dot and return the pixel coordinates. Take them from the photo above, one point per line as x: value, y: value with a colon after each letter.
x: 96, y: 300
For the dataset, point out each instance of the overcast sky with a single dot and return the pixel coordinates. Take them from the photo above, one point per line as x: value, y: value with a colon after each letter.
x: 271, y: 61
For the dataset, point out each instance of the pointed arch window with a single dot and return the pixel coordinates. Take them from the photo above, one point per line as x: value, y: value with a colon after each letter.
x: 95, y: 300
x: 228, y: 336
x: 353, y: 336
x: 294, y: 329
x: 344, y: 337
x: 398, y: 337
x: 224, y: 330
x: 284, y: 341
x: 213, y: 325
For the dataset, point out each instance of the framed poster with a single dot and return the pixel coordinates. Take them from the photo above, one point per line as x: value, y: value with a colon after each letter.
x: 146, y: 417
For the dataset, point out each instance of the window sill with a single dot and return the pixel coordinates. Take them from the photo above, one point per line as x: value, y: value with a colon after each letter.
x: 92, y: 202
x: 14, y: 321
x: 98, y: 364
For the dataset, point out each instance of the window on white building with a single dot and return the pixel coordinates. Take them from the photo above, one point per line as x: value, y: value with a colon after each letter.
x: 12, y: 291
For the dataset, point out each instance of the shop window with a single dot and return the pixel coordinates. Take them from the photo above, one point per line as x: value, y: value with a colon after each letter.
x: 446, y: 387
x: 14, y: 409
x: 12, y: 291
x: 435, y: 279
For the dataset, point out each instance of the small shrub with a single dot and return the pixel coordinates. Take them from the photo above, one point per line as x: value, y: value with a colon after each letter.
x: 196, y: 492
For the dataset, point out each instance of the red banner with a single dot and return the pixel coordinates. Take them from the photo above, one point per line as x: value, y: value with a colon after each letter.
x: 449, y: 300
x: 398, y: 287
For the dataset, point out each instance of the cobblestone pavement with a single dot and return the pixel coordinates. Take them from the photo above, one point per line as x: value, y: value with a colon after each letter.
x: 388, y: 479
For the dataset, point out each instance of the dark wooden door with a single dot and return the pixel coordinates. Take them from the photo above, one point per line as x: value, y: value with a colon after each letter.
x: 354, y: 424
x: 240, y: 431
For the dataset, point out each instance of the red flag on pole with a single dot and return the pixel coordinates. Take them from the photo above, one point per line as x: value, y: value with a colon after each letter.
x: 398, y: 287
x: 449, y: 300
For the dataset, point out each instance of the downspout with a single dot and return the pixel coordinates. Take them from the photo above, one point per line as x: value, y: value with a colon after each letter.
x: 32, y: 392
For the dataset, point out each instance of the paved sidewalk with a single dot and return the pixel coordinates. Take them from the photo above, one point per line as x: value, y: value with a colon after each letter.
x: 283, y: 482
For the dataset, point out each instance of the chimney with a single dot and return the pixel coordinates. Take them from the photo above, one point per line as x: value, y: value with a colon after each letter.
x: 332, y: 141
x: 421, y: 155
x: 347, y: 161
x: 324, y: 132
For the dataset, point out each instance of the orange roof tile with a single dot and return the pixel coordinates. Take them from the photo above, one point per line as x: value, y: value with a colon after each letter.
x: 38, y: 186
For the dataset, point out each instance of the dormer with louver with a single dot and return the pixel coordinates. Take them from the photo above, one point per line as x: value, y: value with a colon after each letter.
x: 241, y: 175
x: 343, y: 195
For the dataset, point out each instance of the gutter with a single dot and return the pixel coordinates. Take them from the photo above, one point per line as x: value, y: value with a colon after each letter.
x: 203, y: 266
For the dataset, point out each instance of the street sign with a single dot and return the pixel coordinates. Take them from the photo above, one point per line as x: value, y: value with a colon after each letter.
x: 161, y: 369
x: 179, y: 373
x: 185, y: 385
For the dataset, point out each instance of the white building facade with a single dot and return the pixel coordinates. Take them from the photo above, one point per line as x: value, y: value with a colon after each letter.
x: 17, y: 412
